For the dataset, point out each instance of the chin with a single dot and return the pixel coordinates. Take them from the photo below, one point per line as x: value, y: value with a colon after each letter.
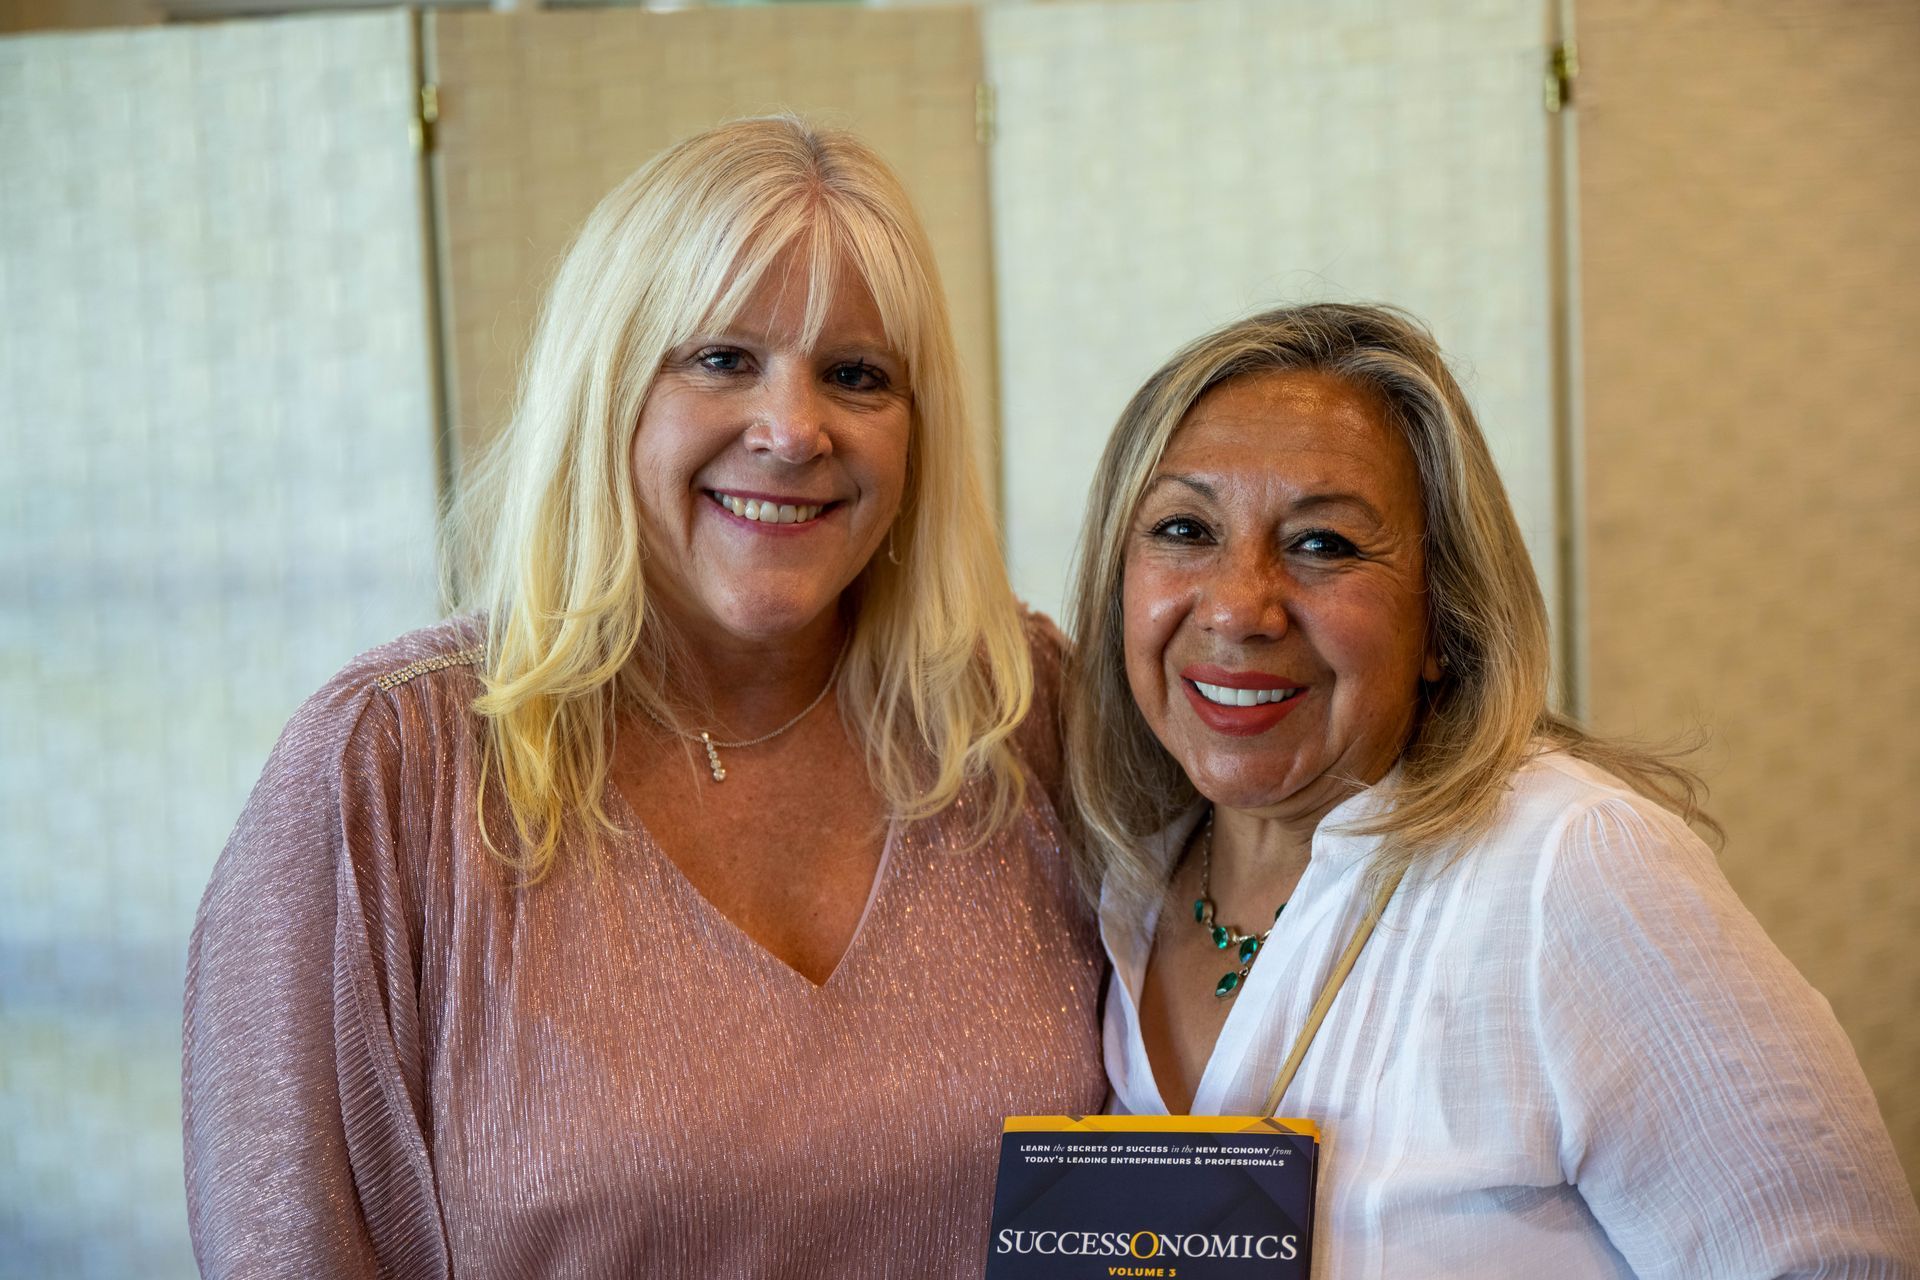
x: 1240, y: 784
x: 771, y: 616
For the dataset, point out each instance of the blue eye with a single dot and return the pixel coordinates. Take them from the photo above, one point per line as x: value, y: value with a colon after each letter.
x: 722, y: 359
x: 858, y: 376
x: 1323, y: 544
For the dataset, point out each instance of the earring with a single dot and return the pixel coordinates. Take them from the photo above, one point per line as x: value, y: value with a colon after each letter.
x: 891, y: 557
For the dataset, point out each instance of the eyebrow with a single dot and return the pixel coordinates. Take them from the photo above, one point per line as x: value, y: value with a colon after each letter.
x: 1307, y: 502
x: 863, y: 341
x: 1198, y: 486
x: 1354, y: 500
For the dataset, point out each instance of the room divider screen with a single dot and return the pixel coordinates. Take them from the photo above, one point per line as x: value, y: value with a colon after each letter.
x: 218, y: 483
x: 544, y: 113
x: 1161, y: 167
x: 231, y: 352
x: 1747, y: 187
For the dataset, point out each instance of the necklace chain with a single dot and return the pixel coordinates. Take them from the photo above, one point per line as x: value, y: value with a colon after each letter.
x: 706, y: 739
x: 1226, y: 935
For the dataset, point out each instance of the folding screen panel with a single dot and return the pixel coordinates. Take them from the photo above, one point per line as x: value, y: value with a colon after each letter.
x: 218, y: 483
x: 1162, y: 167
x: 1748, y: 184
x: 542, y: 114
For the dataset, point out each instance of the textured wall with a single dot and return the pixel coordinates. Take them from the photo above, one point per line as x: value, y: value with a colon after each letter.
x: 1163, y: 167
x: 542, y: 114
x: 218, y: 483
x: 1748, y: 191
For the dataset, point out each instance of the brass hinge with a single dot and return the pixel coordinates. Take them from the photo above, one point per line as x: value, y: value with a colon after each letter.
x: 427, y: 119
x: 1563, y: 68
x: 985, y: 119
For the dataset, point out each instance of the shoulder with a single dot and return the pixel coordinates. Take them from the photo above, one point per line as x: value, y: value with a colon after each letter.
x: 1613, y: 874
x: 1579, y: 856
x: 1047, y: 646
x: 1555, y: 803
x: 1598, y: 831
x: 348, y: 736
x: 1039, y: 736
x: 331, y: 793
x: 452, y: 645
x: 421, y: 667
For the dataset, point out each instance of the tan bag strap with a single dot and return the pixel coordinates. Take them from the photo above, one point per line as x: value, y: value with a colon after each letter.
x: 1329, y: 990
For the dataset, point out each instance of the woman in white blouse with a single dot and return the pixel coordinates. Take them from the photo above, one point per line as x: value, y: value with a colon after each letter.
x: 1312, y: 680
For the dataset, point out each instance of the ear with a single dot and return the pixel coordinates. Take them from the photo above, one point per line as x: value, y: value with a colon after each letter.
x: 1434, y: 667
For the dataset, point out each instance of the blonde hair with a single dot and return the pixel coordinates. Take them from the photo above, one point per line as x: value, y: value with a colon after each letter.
x: 1486, y: 618
x: 545, y: 535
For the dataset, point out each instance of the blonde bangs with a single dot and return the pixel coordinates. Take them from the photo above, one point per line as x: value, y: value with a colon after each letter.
x: 544, y: 534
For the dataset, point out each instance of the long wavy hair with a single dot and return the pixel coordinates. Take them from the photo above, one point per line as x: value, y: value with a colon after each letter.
x: 1486, y: 617
x: 544, y: 536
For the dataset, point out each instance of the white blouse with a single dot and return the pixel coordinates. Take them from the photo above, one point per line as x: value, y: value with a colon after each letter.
x: 1571, y: 1053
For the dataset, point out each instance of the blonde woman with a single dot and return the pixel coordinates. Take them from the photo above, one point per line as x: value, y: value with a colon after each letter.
x: 698, y: 907
x: 1309, y: 702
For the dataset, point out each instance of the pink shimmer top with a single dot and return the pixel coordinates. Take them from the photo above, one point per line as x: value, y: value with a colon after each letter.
x: 397, y: 1064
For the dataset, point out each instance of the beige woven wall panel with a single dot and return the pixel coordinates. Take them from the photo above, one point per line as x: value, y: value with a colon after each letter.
x: 1163, y: 167
x: 1749, y: 185
x: 218, y: 483
x: 543, y: 114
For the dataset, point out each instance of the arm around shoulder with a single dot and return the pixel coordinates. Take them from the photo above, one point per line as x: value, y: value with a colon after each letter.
x: 301, y: 1093
x: 1041, y: 734
x: 1713, y: 1114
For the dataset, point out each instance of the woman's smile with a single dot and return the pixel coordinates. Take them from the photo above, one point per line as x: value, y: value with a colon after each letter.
x: 1240, y: 703
x: 769, y: 462
x: 769, y: 512
x: 1281, y: 532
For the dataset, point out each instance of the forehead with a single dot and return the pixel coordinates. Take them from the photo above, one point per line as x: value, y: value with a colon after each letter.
x: 809, y: 294
x: 1299, y: 430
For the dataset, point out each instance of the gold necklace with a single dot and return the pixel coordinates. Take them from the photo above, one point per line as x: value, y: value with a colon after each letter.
x: 705, y: 738
x: 1225, y: 935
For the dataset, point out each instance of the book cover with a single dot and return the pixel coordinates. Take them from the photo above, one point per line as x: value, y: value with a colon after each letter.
x: 1203, y: 1197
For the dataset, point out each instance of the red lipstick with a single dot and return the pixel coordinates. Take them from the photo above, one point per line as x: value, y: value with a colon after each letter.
x: 1239, y: 722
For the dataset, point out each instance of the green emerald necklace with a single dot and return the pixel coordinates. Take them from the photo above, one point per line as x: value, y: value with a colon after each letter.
x: 1226, y: 935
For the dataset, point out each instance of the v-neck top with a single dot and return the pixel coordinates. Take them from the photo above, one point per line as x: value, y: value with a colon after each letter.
x: 1567, y: 1052
x: 397, y: 1063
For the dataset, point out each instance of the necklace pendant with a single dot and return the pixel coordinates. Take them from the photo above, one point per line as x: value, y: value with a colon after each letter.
x: 713, y: 758
x: 1228, y: 984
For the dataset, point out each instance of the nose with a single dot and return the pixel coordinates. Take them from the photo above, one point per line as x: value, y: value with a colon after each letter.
x: 1246, y: 600
x: 791, y: 416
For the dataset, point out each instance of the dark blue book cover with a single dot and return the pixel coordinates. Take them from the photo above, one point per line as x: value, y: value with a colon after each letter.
x: 1202, y: 1197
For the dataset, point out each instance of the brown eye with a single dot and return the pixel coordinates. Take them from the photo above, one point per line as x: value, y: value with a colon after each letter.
x: 1180, y: 529
x: 1323, y: 544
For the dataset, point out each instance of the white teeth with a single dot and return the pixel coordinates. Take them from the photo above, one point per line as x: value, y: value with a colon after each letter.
x: 768, y: 512
x: 1242, y: 697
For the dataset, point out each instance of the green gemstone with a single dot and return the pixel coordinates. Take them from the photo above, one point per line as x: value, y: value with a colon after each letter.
x: 1227, y: 985
x: 1249, y: 948
x: 1200, y: 910
x: 1221, y: 937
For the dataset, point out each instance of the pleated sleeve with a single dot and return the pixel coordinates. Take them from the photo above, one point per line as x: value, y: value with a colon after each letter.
x: 306, y: 1141
x: 1713, y: 1115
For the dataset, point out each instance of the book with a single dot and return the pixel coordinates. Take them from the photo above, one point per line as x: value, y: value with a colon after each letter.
x: 1202, y: 1197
